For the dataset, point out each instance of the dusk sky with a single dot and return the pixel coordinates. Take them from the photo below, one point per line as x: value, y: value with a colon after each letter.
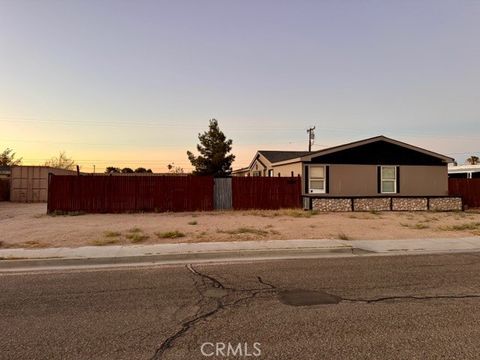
x: 132, y: 83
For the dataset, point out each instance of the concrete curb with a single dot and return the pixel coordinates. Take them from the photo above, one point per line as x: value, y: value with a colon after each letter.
x: 19, y: 264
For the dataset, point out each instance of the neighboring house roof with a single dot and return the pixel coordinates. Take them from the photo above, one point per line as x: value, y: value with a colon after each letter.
x: 355, y: 144
x: 240, y: 170
x: 463, y: 168
x: 276, y: 156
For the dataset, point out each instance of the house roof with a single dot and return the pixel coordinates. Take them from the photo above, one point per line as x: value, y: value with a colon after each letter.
x: 240, y: 170
x: 354, y: 144
x: 275, y: 156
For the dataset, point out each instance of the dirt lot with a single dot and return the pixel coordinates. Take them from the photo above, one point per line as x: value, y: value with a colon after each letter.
x: 27, y: 225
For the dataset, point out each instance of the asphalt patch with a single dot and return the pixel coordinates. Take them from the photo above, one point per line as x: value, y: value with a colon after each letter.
x: 298, y: 297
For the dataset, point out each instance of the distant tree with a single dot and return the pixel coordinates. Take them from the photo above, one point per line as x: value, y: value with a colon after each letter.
x: 62, y: 161
x: 7, y: 158
x: 175, y: 169
x: 112, y: 170
x: 473, y: 160
x: 213, y: 149
x: 127, y: 171
x: 142, y: 170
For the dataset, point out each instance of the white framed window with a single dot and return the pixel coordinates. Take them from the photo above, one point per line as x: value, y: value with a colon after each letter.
x: 257, y: 173
x: 316, y: 179
x: 388, y: 179
x: 270, y: 172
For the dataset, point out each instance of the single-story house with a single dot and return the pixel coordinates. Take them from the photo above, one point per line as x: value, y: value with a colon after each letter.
x: 378, y: 173
x: 464, y: 171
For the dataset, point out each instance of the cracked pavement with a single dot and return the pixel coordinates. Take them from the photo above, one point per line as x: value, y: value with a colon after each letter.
x: 393, y: 307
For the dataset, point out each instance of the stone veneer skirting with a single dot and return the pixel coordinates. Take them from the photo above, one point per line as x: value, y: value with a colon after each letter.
x: 387, y: 204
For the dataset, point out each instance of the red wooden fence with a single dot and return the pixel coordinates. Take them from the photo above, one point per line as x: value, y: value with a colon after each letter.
x: 468, y: 189
x: 266, y: 192
x: 115, y: 194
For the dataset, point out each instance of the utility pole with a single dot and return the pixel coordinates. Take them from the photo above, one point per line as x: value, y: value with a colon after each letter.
x: 311, y: 137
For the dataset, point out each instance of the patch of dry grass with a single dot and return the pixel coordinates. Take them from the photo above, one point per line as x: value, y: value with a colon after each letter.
x: 244, y: 230
x: 103, y: 242
x: 34, y: 244
x: 343, y: 236
x: 136, y: 235
x: 170, y: 234
x: 298, y: 213
x: 462, y: 227
x: 111, y: 234
x: 417, y: 226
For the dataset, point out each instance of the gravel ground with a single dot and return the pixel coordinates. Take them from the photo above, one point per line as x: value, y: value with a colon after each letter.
x: 27, y: 225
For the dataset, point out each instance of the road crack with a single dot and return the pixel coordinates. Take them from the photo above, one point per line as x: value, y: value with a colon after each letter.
x: 412, y: 297
x: 220, y: 303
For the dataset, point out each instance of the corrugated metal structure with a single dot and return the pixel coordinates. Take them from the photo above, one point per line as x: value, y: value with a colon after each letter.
x: 117, y: 194
x: 468, y: 189
x: 30, y: 183
x: 266, y: 192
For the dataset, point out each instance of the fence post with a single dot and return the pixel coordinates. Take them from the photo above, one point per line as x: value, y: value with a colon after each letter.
x: 49, y: 193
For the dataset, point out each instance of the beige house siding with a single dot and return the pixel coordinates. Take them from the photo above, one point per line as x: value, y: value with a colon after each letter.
x: 261, y: 165
x: 30, y: 183
x: 286, y: 170
x: 424, y: 180
x: 361, y: 180
x: 353, y: 180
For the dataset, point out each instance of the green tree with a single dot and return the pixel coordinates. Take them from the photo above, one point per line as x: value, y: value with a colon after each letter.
x: 142, y: 170
x: 7, y: 158
x: 62, y: 161
x: 112, y: 170
x: 172, y: 169
x: 127, y: 171
x: 213, y: 148
x: 473, y: 160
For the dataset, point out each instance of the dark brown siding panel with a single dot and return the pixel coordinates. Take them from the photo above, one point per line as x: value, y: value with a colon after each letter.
x: 398, y: 179
x: 306, y: 179
x: 327, y: 179
x: 378, y: 153
x: 379, y: 179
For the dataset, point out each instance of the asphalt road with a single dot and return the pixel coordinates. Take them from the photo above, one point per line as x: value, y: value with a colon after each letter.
x: 397, y: 307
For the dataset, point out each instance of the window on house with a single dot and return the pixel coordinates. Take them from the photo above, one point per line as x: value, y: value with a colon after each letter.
x: 317, y: 180
x: 256, y: 173
x: 389, y: 179
x: 270, y: 173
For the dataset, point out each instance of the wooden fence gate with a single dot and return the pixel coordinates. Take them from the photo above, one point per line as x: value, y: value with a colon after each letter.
x: 222, y: 192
